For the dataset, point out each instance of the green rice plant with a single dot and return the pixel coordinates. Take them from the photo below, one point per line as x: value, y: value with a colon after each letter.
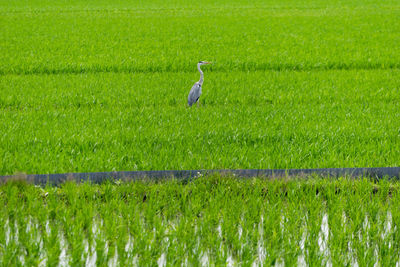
x: 102, y: 86
x: 217, y: 220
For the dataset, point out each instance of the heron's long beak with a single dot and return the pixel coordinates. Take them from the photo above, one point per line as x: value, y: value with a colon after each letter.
x: 208, y: 62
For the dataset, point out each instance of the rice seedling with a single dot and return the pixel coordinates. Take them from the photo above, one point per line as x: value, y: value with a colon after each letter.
x: 211, y: 219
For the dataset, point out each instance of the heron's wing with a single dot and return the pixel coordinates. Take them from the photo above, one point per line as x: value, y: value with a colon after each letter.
x: 194, y: 94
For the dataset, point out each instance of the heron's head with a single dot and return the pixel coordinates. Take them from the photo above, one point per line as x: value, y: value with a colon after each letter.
x: 204, y: 62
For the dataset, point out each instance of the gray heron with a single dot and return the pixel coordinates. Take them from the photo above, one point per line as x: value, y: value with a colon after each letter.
x: 195, y: 92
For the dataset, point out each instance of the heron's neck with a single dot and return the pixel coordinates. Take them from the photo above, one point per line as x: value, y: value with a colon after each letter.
x: 201, y: 74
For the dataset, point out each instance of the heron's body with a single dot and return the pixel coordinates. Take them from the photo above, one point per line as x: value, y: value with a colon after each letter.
x: 195, y: 92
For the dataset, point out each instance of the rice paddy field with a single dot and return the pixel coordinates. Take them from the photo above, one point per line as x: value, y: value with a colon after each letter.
x: 98, y: 86
x: 90, y: 86
x: 212, y: 221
